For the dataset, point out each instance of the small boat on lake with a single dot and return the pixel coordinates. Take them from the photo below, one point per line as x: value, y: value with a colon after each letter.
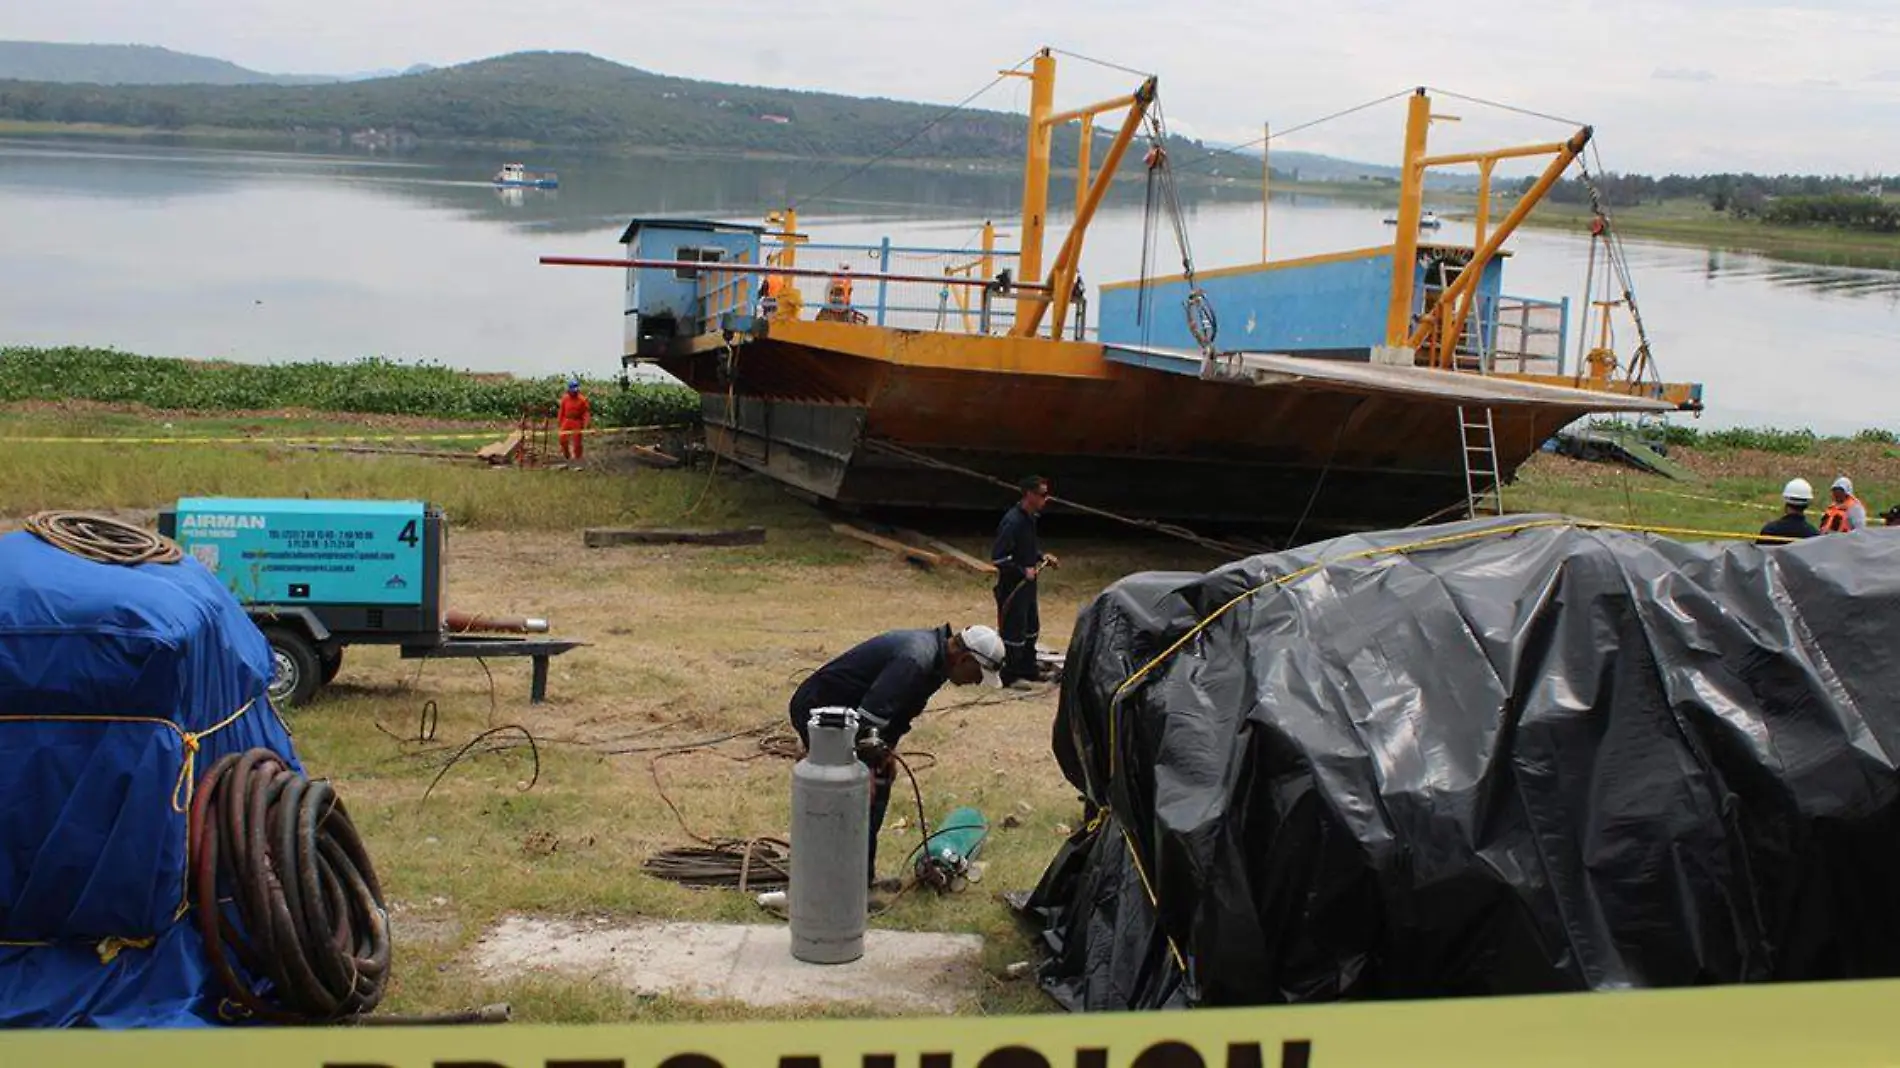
x: 517, y: 176
x: 1426, y: 221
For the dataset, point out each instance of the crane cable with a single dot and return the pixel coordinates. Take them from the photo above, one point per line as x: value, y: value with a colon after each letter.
x: 1642, y: 364
x: 1202, y: 324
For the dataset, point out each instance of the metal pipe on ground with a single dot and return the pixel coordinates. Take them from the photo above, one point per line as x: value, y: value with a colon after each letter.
x: 471, y: 623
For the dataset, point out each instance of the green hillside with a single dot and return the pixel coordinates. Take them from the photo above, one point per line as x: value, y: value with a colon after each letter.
x: 548, y: 98
x: 107, y: 64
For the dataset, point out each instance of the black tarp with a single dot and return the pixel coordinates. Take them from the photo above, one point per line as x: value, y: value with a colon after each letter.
x: 1528, y: 756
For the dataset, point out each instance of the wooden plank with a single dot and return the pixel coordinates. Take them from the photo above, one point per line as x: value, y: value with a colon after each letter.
x: 380, y: 450
x: 910, y: 552
x: 646, y: 454
x: 955, y: 555
x: 498, y: 452
x: 600, y: 537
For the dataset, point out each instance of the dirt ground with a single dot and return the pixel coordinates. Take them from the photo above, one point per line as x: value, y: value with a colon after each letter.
x: 683, y: 644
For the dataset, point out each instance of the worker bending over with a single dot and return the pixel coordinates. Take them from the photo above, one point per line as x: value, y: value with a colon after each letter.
x: 889, y: 679
x: 574, y: 416
x: 1795, y: 498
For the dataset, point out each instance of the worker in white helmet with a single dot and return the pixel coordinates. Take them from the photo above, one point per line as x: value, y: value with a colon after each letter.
x: 1846, y: 513
x: 1795, y: 498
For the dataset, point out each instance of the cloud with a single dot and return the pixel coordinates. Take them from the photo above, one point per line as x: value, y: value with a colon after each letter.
x: 1884, y: 76
x: 1680, y: 74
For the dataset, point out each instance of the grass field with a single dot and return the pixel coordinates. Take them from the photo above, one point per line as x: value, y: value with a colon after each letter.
x: 686, y: 644
x: 1692, y: 222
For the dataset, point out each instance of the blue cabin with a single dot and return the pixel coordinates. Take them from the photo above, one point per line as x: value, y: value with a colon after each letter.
x: 664, y: 304
x: 1333, y: 307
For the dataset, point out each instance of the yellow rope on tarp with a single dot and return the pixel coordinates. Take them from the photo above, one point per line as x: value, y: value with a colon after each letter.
x: 109, y: 947
x: 1439, y: 541
x: 181, y: 790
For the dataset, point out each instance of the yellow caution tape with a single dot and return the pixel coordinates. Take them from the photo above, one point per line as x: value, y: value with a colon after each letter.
x: 1731, y: 502
x: 1813, y: 1025
x: 260, y: 439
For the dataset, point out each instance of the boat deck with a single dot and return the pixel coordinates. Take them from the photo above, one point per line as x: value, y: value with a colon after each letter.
x: 1463, y: 388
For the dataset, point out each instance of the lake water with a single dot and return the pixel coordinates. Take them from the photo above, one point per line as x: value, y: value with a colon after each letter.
x: 264, y: 255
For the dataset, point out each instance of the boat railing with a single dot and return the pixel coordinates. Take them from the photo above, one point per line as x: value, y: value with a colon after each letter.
x: 1507, y: 334
x: 1526, y: 335
x: 724, y: 293
x: 908, y: 303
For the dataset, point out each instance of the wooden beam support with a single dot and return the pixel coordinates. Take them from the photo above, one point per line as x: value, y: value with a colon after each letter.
x: 909, y: 552
x: 600, y: 538
x: 950, y: 552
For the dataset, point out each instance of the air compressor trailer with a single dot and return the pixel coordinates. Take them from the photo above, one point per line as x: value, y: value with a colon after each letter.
x: 319, y: 575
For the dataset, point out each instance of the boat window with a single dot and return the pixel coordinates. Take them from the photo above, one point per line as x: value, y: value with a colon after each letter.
x: 696, y: 255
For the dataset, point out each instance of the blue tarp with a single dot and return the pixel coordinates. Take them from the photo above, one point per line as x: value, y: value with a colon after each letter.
x: 103, y: 671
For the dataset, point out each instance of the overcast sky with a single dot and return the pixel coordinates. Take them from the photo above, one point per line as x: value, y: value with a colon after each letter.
x: 1689, y: 85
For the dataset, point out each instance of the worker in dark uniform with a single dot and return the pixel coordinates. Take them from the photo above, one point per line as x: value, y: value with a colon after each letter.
x: 1019, y: 561
x: 889, y: 679
x: 1795, y: 498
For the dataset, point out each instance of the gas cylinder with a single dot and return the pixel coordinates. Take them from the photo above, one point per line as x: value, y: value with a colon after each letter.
x: 953, y: 846
x: 831, y: 826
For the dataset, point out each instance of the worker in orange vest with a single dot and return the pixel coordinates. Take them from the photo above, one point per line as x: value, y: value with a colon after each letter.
x: 838, y: 288
x: 1846, y: 513
x: 837, y: 306
x: 575, y: 415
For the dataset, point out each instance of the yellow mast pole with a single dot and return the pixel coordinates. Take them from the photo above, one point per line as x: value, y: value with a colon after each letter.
x: 1398, y: 314
x: 1062, y: 272
x: 1447, y: 341
x: 989, y: 250
x: 1484, y: 199
x: 1042, y: 97
x: 1082, y: 160
x: 1468, y: 278
x: 1266, y: 179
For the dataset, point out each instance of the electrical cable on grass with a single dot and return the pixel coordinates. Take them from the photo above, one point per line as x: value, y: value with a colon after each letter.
x: 533, y: 748
x: 741, y: 863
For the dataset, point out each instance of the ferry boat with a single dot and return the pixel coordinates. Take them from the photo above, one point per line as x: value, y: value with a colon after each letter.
x: 517, y: 176
x: 1364, y: 389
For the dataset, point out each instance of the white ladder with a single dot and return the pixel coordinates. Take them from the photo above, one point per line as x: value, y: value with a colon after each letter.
x: 1484, y: 486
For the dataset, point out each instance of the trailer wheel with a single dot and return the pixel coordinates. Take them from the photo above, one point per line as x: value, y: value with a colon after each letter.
x: 331, y: 657
x: 298, y: 671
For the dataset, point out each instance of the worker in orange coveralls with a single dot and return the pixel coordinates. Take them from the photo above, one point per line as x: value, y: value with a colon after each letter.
x: 575, y: 415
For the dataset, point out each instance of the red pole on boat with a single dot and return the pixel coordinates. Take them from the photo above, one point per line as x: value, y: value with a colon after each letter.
x: 760, y: 268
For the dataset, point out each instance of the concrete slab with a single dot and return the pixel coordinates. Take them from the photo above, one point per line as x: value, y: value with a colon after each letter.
x: 905, y: 970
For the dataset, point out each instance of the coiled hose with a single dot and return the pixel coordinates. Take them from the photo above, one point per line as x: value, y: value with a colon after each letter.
x: 103, y: 540
x: 311, y: 928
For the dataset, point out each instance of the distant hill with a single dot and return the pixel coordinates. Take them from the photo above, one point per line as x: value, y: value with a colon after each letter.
x: 104, y: 64
x: 549, y: 98
x: 559, y: 98
x: 1312, y: 167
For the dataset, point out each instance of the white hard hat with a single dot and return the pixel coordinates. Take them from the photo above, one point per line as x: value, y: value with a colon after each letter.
x: 987, y: 646
x: 1797, y: 491
x: 1844, y: 484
